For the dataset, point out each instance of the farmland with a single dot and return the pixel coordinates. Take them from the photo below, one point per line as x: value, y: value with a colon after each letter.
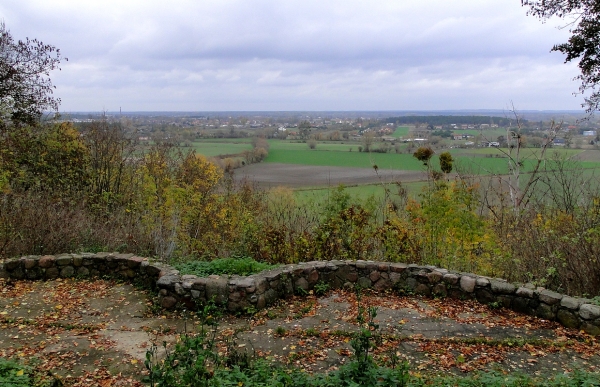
x: 338, y: 156
x: 401, y: 131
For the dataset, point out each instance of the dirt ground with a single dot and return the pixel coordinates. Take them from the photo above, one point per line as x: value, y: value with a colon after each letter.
x: 295, y: 176
x: 97, y: 333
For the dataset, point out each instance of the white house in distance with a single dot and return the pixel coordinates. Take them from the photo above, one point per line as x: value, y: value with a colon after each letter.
x: 590, y: 133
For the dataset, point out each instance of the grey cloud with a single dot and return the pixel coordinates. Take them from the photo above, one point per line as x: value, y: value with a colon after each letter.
x: 267, y: 54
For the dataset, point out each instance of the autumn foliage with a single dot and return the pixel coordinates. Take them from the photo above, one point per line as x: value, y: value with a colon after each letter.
x: 94, y: 188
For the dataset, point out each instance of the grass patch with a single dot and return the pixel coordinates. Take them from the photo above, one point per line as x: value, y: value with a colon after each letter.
x: 343, y: 159
x: 213, y: 148
x: 401, y: 131
x: 223, y: 266
x: 12, y: 374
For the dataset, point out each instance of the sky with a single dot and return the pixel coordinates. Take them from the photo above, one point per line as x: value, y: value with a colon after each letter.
x: 304, y: 55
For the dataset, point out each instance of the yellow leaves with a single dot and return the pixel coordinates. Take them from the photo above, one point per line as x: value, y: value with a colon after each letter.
x: 20, y: 373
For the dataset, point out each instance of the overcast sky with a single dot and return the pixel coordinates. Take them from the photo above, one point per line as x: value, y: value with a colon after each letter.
x: 207, y: 55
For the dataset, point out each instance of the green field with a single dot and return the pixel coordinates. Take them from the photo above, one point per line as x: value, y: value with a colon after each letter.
x: 352, y: 159
x: 211, y: 149
x: 401, y: 131
x: 477, y: 161
x: 343, y: 146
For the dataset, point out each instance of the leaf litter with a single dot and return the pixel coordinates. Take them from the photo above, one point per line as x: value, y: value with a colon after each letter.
x: 59, y: 327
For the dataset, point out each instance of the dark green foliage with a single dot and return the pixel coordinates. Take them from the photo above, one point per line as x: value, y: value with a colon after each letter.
x: 446, y: 161
x: 52, y: 159
x: 442, y: 133
x: 584, y: 42
x: 228, y: 266
x: 12, y: 374
x: 423, y: 154
x: 321, y: 288
x: 190, y: 363
x: 496, y: 379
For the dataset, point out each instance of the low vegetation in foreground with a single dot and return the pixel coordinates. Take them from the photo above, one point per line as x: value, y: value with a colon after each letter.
x: 196, y: 361
x: 242, y: 266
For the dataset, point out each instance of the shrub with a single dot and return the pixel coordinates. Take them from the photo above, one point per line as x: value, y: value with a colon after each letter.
x: 12, y: 374
x: 228, y: 266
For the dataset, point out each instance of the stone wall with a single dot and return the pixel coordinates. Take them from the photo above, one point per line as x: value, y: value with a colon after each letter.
x: 240, y: 294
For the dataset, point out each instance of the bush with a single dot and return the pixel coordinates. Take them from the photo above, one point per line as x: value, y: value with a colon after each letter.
x: 12, y: 374
x: 228, y: 266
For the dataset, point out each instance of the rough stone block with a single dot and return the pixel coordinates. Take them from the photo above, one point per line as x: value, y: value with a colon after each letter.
x: 313, y: 277
x: 261, y: 285
x: 179, y: 290
x: 525, y: 292
x: 467, y: 283
x: 434, y: 277
x: 364, y: 282
x: 77, y: 260
x: 352, y: 276
x: 168, y: 302
x: 450, y: 278
x: 502, y: 287
x: 484, y: 296
x: 270, y: 297
x: 395, y: 278
x: 67, y: 271
x: 64, y: 260
x: 217, y: 289
x: 261, y: 303
x: 570, y: 303
x: 374, y: 276
x: 482, y: 282
x: 589, y: 311
x: 423, y: 290
x: 52, y: 273
x: 398, y: 267
x: 123, y: 256
x: 591, y: 328
x: 568, y: 318
x: 153, y: 270
x: 199, y: 284
x: 382, y: 284
x: 46, y: 261
x: 549, y: 297
x: 301, y: 283
x: 383, y: 266
x: 410, y: 283
x: 521, y: 305
x: 33, y: 273
x: 439, y: 290
x: 235, y: 297
x: 134, y: 262
x: 12, y: 264
x: 168, y: 281
x: 545, y: 311
x: 29, y: 263
x: 505, y: 301
x: 83, y: 271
